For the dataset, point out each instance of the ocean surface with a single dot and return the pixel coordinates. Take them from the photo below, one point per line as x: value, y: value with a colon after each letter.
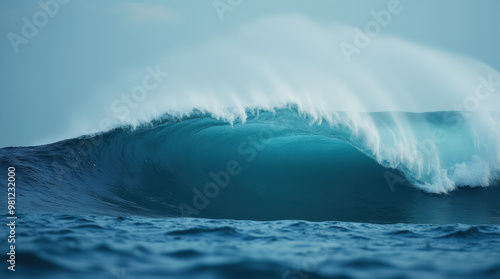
x: 67, y: 246
x: 278, y: 194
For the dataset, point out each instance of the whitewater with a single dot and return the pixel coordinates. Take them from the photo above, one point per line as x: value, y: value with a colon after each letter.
x: 273, y: 164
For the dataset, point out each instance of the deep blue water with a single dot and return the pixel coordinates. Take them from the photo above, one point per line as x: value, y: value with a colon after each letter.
x: 65, y: 246
x: 173, y: 199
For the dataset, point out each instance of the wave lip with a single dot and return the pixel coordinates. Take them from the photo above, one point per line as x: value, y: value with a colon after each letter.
x: 290, y: 163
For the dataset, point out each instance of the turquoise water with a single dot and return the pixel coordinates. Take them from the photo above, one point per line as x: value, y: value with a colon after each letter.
x: 280, y: 196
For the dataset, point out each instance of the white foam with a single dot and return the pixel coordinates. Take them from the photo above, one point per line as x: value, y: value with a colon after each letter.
x: 281, y: 60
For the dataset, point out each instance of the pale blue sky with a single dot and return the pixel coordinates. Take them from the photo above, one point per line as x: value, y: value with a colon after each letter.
x: 68, y: 65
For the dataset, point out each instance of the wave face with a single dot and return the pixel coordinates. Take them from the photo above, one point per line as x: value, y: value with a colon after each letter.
x: 279, y: 164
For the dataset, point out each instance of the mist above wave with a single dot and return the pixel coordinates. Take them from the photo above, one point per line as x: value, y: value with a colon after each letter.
x: 282, y: 60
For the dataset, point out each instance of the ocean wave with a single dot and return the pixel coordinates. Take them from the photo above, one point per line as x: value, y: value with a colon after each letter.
x: 198, y: 165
